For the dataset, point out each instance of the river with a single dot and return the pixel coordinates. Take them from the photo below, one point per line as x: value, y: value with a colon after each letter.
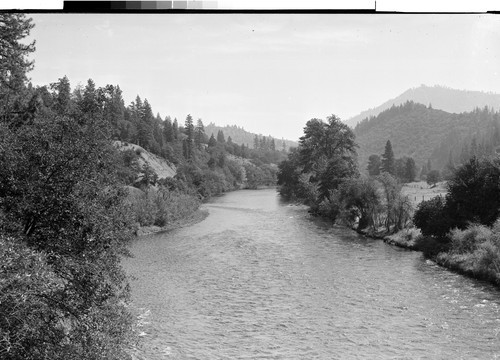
x: 261, y: 279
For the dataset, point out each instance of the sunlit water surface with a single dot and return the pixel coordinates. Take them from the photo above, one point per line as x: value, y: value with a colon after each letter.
x: 261, y: 279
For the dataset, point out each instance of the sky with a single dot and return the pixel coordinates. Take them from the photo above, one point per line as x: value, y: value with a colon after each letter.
x: 269, y: 73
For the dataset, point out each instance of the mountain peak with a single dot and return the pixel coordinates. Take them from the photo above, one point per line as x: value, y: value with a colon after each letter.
x: 438, y: 97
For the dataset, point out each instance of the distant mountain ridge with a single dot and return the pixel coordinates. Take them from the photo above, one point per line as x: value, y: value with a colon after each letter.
x: 241, y: 136
x: 423, y: 133
x: 439, y: 97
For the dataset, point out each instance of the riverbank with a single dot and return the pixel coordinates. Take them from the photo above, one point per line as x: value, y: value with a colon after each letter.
x: 194, y: 218
x: 481, y: 262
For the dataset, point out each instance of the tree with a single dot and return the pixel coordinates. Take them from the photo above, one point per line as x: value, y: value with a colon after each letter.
x: 388, y: 159
x: 168, y: 130
x: 175, y: 128
x: 62, y: 96
x: 474, y: 193
x: 199, y: 134
x: 359, y: 200
x: 272, y: 145
x: 212, y: 142
x: 64, y: 211
x: 220, y: 137
x: 189, y: 130
x: 326, y: 154
x: 14, y: 64
x: 430, y: 217
x: 433, y: 177
x: 374, y: 165
x: 410, y: 170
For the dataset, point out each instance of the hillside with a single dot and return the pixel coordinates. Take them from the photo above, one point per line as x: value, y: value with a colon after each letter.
x: 161, y: 167
x: 441, y: 98
x: 241, y: 136
x: 421, y: 132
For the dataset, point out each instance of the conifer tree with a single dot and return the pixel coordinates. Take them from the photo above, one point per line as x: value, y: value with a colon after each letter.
x: 199, y: 135
x: 388, y: 162
x: 410, y: 170
x: 220, y: 137
x: 168, y: 130
x: 212, y: 142
x: 374, y: 165
x: 189, y: 130
x: 14, y: 64
x: 175, y: 128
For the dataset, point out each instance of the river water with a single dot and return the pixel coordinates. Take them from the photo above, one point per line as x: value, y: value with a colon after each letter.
x: 261, y: 279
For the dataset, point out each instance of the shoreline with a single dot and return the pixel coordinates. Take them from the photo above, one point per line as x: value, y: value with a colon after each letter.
x: 455, y: 267
x: 197, y: 216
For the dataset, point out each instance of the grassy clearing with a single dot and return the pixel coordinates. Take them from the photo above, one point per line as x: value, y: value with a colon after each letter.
x: 420, y: 191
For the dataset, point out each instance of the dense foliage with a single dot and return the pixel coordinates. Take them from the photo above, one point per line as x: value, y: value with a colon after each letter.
x: 63, y: 225
x: 473, y: 197
x: 324, y: 159
x: 322, y: 173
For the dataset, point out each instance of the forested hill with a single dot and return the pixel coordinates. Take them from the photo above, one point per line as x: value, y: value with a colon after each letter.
x: 423, y: 133
x: 439, y: 97
x: 240, y: 136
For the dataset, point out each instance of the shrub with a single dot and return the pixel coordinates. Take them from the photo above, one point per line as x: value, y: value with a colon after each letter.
x: 162, y: 206
x: 468, y: 240
x: 431, y: 219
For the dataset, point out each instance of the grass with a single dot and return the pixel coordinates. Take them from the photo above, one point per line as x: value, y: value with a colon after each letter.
x: 420, y: 191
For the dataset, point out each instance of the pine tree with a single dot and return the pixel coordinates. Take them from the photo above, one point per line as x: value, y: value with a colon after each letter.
x: 175, y: 129
x: 256, y: 142
x: 199, y: 136
x: 62, y: 95
x: 273, y: 145
x: 388, y: 162
x: 212, y: 142
x: 374, y: 165
x: 220, y: 137
x: 14, y: 64
x: 189, y: 131
x: 410, y: 170
x: 168, y: 130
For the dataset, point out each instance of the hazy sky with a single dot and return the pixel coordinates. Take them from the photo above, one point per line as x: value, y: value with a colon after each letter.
x: 269, y: 73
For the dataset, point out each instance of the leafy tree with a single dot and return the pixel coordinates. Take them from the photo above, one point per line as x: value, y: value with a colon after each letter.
x: 374, y: 164
x: 388, y: 164
x: 433, y: 177
x: 360, y: 200
x: 61, y: 204
x: 474, y: 193
x: 326, y: 153
x: 431, y: 217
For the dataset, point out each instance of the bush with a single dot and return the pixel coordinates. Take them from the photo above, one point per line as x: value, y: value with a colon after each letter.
x: 431, y: 219
x: 474, y: 251
x: 468, y: 240
x: 162, y: 206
